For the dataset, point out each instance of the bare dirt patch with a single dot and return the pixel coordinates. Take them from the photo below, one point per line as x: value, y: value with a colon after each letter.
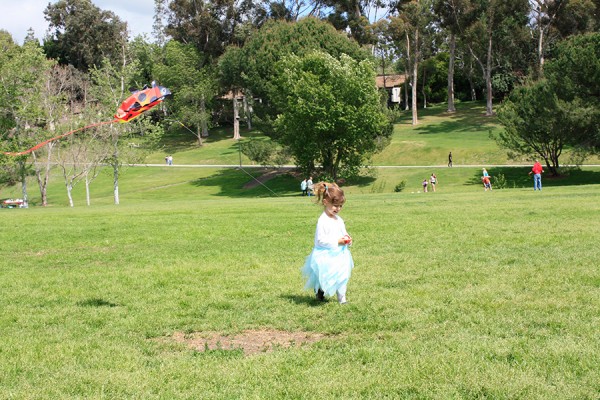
x: 249, y: 341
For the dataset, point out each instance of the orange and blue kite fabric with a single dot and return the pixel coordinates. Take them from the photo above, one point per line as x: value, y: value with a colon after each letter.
x: 140, y: 101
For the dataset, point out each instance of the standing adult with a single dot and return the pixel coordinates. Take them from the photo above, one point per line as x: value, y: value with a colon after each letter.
x: 303, y: 187
x: 433, y: 181
x: 537, y: 170
x: 450, y: 159
x: 309, y: 186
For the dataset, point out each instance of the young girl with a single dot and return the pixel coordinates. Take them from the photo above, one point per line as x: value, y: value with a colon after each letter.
x: 327, y: 268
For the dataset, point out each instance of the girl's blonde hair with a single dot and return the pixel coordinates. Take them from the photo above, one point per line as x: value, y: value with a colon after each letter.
x: 330, y: 192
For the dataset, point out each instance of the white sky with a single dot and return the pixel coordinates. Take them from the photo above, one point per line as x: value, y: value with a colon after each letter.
x: 17, y: 16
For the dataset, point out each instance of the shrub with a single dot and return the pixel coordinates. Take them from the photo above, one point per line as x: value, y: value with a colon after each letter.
x: 499, y: 181
x: 400, y: 187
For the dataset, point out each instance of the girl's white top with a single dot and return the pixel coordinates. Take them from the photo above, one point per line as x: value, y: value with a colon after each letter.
x: 329, y: 231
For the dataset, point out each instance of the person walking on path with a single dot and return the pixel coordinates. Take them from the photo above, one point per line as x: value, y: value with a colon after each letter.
x: 450, y: 159
x: 327, y: 269
x: 537, y: 171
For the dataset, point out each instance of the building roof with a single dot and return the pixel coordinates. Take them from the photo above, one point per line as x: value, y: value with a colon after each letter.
x: 392, y: 80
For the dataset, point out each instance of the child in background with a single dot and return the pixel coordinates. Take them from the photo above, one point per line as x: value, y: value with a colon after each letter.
x: 424, y: 186
x: 328, y: 267
x: 486, y: 183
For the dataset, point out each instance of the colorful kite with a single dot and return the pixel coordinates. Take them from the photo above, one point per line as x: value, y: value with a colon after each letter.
x: 139, y: 102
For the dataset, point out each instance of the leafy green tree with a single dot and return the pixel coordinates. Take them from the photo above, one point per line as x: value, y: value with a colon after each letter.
x: 83, y: 34
x: 279, y: 38
x: 543, y: 117
x: 331, y: 112
x: 25, y: 115
x: 532, y: 117
x: 574, y: 73
x: 193, y: 84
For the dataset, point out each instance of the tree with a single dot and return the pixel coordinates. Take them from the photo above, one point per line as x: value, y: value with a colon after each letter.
x: 533, y: 124
x: 73, y: 40
x: 192, y: 82
x: 23, y: 73
x: 408, y: 31
x: 579, y: 89
x: 279, y: 38
x: 125, y: 143
x: 211, y: 26
x: 332, y: 114
x: 491, y: 29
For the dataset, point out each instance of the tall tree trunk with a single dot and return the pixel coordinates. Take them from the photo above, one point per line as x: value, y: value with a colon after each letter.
x: 247, y: 112
x: 87, y: 189
x: 451, y: 107
x: 204, y: 123
x: 488, y: 79
x: 116, y: 182
x: 236, y: 116
x: 23, y: 183
x: 70, y: 194
x: 43, y: 174
x: 415, y: 80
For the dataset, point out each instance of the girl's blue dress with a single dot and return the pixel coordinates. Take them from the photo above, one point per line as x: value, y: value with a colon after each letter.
x: 329, y: 265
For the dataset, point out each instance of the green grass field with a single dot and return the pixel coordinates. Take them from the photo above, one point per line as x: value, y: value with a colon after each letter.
x: 458, y: 294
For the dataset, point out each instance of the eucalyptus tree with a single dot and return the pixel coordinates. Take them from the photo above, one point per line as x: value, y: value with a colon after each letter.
x: 493, y: 31
x: 81, y: 34
x: 409, y: 31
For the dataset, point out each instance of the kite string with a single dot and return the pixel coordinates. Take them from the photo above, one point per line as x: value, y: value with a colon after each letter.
x: 39, y: 145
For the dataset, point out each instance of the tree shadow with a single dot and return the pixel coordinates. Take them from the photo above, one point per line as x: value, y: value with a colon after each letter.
x: 182, y: 138
x: 231, y: 183
x: 518, y: 177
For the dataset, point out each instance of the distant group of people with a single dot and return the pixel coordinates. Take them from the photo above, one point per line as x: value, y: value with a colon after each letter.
x: 307, y: 186
x: 432, y: 182
x: 169, y: 160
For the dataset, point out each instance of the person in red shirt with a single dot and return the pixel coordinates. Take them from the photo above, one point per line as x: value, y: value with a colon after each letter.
x: 537, y: 175
x: 487, y: 184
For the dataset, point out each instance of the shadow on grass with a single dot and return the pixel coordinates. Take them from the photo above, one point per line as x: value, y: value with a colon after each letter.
x: 231, y: 184
x: 304, y: 300
x: 518, y: 177
x: 96, y: 302
x: 180, y: 138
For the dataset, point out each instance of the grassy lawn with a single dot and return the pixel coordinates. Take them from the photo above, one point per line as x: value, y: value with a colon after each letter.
x: 458, y: 294
x: 455, y: 295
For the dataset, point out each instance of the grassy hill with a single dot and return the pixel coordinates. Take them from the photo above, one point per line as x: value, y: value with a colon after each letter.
x: 466, y: 133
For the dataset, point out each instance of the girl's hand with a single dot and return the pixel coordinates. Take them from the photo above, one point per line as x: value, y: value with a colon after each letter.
x: 346, y: 240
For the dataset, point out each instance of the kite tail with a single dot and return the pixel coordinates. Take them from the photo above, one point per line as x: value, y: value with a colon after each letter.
x: 39, y: 145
